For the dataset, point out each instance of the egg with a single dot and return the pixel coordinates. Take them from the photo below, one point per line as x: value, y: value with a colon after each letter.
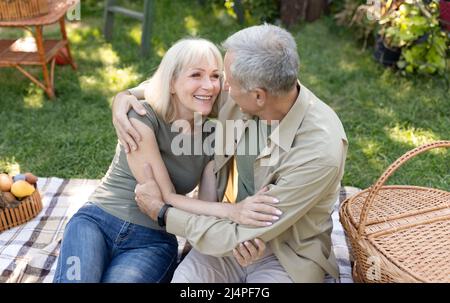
x: 5, y: 182
x: 30, y: 178
x: 18, y: 177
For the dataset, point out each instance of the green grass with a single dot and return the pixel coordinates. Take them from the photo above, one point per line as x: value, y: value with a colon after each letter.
x: 384, y: 114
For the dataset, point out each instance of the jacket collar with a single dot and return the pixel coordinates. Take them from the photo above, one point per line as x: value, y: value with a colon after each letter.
x: 284, y: 134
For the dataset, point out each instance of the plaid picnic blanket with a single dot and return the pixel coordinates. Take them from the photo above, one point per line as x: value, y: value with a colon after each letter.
x: 28, y: 252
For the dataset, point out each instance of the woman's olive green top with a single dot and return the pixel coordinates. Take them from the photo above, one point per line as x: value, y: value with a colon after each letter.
x: 115, y: 194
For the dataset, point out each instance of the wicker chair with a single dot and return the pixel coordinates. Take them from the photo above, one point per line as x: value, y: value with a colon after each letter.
x: 38, y: 52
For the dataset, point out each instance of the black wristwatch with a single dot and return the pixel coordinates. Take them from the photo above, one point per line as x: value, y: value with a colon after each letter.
x: 162, y: 214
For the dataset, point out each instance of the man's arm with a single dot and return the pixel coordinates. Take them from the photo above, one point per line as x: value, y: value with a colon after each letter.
x: 152, y: 193
x: 298, y: 191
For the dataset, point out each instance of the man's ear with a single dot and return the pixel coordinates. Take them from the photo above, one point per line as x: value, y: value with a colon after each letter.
x: 260, y: 96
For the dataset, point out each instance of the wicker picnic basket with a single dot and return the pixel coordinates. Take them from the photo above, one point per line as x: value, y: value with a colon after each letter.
x: 399, y: 233
x: 28, y: 208
x: 21, y: 9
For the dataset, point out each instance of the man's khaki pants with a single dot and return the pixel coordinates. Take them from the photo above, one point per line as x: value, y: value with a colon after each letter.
x: 200, y: 268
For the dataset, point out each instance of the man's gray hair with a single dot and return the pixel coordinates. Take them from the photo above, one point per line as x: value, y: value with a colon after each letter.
x: 265, y: 56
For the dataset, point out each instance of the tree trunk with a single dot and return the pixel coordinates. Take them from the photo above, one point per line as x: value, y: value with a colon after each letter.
x: 315, y: 9
x: 293, y: 11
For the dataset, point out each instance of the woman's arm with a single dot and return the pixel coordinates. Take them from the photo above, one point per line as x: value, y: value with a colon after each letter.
x: 148, y: 153
x: 254, y: 211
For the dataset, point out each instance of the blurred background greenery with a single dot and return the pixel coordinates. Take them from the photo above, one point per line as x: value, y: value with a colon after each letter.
x: 385, y: 111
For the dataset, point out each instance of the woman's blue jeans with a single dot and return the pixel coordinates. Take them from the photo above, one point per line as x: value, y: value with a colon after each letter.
x: 99, y: 247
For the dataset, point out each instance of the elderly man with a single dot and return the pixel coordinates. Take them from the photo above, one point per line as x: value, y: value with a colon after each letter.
x: 300, y: 158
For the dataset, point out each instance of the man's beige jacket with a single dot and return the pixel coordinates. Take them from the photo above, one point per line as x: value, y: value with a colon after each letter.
x: 302, y: 165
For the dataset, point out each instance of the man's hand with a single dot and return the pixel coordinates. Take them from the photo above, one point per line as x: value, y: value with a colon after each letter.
x: 148, y: 195
x: 248, y: 252
x: 126, y: 133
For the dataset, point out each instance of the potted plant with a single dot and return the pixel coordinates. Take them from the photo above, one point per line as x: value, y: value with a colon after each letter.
x: 426, y: 52
x: 385, y: 54
x: 389, y: 40
x: 413, y: 30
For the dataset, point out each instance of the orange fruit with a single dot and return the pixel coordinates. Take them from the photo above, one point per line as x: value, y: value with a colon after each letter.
x: 5, y: 182
x: 22, y: 189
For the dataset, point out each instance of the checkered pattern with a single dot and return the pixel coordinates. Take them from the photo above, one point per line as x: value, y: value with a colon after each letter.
x: 28, y: 252
x: 340, y: 246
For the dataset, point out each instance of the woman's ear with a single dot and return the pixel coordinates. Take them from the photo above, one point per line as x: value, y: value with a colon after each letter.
x: 172, y: 86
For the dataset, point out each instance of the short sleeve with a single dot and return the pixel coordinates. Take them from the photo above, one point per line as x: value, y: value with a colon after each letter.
x: 150, y: 118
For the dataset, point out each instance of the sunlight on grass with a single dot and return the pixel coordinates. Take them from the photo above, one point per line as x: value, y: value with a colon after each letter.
x: 191, y: 25
x: 107, y: 77
x: 119, y: 78
x: 385, y: 112
x: 104, y: 54
x: 370, y: 148
x: 107, y: 56
x: 75, y: 37
x: 78, y: 35
x: 135, y: 34
x: 372, y: 152
x: 412, y: 136
x: 348, y: 66
x: 402, y: 91
x: 160, y: 49
x: 35, y: 97
x: 110, y: 79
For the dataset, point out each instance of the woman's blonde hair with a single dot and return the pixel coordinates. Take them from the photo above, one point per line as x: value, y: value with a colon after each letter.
x: 183, y: 53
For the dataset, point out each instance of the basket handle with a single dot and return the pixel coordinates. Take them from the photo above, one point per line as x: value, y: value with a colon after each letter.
x: 387, y: 173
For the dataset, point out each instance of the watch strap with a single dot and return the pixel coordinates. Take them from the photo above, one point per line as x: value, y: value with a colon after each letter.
x: 162, y: 214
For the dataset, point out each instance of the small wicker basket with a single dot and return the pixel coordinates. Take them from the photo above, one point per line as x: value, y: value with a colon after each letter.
x: 399, y: 233
x: 24, y: 212
x: 21, y: 9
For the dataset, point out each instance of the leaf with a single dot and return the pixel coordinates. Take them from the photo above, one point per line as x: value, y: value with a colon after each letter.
x: 401, y: 64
